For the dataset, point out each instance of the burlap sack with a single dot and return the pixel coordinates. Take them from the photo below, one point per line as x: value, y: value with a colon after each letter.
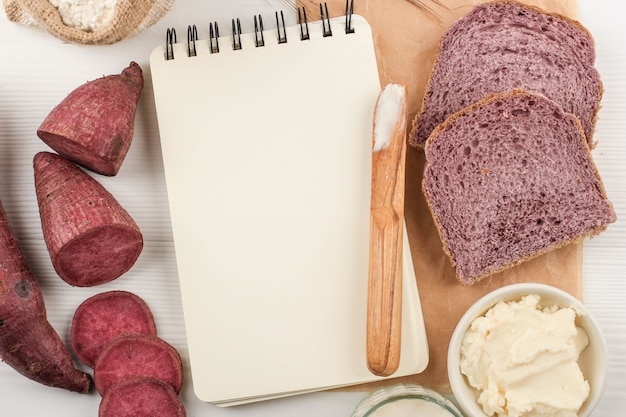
x: 130, y: 18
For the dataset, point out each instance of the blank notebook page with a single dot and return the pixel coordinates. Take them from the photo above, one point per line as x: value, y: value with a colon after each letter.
x: 267, y: 156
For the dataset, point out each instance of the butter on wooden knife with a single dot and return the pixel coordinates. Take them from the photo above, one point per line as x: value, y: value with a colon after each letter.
x: 384, y: 303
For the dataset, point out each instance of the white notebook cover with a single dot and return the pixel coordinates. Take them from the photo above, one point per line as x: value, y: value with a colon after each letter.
x: 267, y: 156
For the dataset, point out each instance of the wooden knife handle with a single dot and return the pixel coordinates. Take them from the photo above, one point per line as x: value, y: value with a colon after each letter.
x: 384, y: 304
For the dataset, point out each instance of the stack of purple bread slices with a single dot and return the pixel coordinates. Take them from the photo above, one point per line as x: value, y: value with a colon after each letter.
x: 507, y: 125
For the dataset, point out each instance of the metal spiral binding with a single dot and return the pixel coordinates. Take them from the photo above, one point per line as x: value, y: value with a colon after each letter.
x: 281, y: 38
x: 192, y: 37
x: 304, y: 24
x: 326, y: 29
x: 349, y: 13
x: 214, y: 34
x: 170, y: 40
x: 258, y: 31
x: 192, y: 31
x: 236, y: 34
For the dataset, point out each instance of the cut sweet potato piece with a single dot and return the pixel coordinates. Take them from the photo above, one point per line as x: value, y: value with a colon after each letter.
x: 138, y: 355
x: 141, y: 397
x: 28, y: 343
x: 90, y: 237
x: 100, y: 318
x: 94, y: 125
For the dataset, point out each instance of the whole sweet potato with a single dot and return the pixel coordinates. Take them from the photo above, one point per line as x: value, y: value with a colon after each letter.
x: 90, y: 237
x: 28, y: 343
x: 94, y: 125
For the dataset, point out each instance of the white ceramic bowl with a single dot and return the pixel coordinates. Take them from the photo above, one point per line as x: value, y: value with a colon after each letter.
x: 592, y: 360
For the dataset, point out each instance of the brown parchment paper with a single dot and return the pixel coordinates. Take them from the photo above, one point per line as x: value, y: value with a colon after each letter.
x: 406, y: 35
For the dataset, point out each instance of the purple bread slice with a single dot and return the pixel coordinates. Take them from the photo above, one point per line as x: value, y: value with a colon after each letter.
x: 509, y: 178
x: 505, y: 45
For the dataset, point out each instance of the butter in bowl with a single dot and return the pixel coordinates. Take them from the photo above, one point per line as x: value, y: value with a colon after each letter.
x: 527, y: 349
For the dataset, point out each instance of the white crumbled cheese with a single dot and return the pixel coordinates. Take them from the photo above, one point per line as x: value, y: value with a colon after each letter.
x: 87, y: 15
x: 523, y: 360
x: 390, y: 103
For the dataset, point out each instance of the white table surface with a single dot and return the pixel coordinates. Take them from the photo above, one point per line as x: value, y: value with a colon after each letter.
x: 38, y: 70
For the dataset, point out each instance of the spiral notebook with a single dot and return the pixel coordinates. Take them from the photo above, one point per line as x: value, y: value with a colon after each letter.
x: 266, y: 144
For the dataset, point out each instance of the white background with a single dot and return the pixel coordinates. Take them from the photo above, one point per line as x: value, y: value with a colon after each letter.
x: 38, y: 70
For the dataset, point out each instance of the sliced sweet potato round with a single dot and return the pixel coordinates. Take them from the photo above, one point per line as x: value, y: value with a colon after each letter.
x: 141, y: 397
x: 104, y: 316
x: 131, y: 355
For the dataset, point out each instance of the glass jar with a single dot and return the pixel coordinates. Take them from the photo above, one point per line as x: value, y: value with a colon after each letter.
x: 405, y: 400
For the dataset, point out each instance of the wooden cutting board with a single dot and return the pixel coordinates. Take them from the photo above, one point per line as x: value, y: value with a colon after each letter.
x: 406, y: 35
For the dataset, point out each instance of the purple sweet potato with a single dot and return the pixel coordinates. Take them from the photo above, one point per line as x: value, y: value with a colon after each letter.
x: 132, y: 355
x: 90, y: 237
x: 100, y: 318
x: 94, y: 125
x: 28, y: 343
x: 141, y: 397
